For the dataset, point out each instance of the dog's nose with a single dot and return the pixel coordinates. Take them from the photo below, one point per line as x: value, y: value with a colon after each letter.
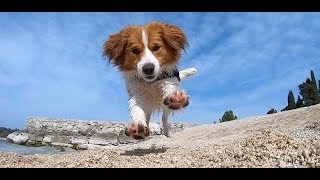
x: 148, y: 68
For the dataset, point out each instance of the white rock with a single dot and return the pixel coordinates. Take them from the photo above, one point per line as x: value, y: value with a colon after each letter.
x: 155, y: 128
x: 18, y: 137
x: 98, y: 141
x: 82, y: 146
x: 79, y: 140
x: 282, y: 164
x: 47, y: 139
x: 62, y: 145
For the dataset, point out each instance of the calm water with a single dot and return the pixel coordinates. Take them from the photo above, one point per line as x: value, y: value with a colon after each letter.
x: 10, y: 147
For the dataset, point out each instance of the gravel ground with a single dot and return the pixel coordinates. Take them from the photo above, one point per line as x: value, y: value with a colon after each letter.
x: 288, y: 139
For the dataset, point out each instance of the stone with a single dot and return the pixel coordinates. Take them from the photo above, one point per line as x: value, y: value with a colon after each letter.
x: 39, y: 138
x: 317, y: 144
x: 18, y: 137
x: 100, y: 141
x: 31, y: 143
x: 47, y: 139
x: 108, y: 136
x: 82, y: 147
x: 32, y: 137
x: 305, y: 153
x: 61, y: 139
x: 62, y: 144
x: 79, y: 140
x: 282, y: 164
x: 154, y: 128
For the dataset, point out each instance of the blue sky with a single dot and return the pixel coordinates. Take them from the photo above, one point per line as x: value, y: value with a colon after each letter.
x: 51, y: 64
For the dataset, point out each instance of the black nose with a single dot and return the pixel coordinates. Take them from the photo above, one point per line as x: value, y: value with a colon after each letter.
x: 148, y: 68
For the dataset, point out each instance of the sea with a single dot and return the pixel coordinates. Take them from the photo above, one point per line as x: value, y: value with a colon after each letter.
x: 27, y: 150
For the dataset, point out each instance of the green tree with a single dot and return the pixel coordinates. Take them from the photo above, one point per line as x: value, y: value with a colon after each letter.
x: 291, y: 102
x: 299, y: 103
x: 309, y: 92
x: 272, y: 111
x: 319, y: 85
x: 313, y: 80
x: 228, y: 116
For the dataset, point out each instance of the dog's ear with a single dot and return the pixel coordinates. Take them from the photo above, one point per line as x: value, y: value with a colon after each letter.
x: 114, y: 48
x: 174, y: 37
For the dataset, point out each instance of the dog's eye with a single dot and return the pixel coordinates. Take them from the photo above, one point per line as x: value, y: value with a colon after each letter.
x: 156, y: 48
x: 135, y: 51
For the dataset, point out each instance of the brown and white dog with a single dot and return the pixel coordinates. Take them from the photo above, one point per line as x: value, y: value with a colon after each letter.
x: 147, y: 56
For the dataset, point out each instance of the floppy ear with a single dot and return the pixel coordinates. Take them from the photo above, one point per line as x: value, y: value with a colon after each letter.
x: 175, y: 37
x: 114, y: 48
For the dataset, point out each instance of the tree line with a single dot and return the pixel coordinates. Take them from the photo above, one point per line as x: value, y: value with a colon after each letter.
x: 4, y: 132
x: 309, y: 94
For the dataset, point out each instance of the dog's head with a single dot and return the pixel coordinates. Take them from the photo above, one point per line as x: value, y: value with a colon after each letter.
x: 146, y: 49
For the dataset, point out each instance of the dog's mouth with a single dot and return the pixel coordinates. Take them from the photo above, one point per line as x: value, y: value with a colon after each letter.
x: 150, y: 77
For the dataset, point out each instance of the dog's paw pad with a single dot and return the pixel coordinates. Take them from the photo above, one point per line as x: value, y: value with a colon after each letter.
x: 137, y: 131
x: 176, y: 100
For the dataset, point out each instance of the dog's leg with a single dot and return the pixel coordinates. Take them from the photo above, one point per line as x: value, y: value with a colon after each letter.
x: 174, y: 98
x: 165, y: 122
x: 148, y: 116
x: 139, y: 127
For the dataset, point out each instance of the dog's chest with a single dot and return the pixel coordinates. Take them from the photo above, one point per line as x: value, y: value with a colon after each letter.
x: 152, y: 94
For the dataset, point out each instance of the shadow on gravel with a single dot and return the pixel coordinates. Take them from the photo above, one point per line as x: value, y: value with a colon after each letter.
x: 141, y: 152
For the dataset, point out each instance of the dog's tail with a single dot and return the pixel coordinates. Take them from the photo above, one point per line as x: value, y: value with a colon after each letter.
x: 187, y: 73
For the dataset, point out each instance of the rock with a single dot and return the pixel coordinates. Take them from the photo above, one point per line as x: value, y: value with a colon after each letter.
x: 100, y: 141
x: 32, y: 137
x: 18, y: 137
x: 47, y: 139
x: 82, y: 147
x: 108, y: 136
x: 282, y: 164
x: 155, y: 128
x: 39, y: 138
x: 61, y: 139
x: 305, y: 153
x: 31, y: 143
x: 79, y: 140
x: 62, y: 144
x: 317, y: 144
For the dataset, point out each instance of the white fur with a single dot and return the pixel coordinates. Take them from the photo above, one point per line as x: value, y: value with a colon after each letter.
x: 148, y: 57
x: 147, y: 97
x: 144, y: 38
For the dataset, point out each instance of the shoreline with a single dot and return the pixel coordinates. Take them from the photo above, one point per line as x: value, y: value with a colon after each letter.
x: 288, y: 139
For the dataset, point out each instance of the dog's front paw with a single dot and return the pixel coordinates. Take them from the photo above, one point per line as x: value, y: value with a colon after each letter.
x: 176, y: 100
x: 137, y: 131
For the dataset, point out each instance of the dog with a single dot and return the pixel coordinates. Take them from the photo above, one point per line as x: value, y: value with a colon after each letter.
x: 148, y: 55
